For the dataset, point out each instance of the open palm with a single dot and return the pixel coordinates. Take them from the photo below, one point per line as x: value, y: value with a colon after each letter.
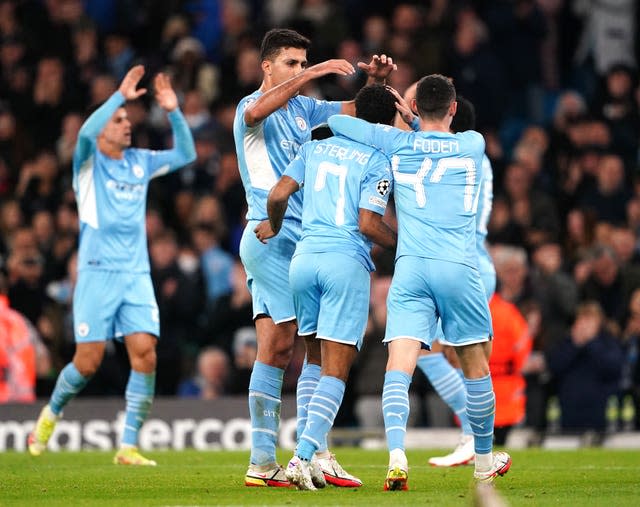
x: 165, y: 95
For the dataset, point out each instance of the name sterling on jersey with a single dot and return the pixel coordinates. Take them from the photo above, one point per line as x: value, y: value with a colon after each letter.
x: 342, y: 153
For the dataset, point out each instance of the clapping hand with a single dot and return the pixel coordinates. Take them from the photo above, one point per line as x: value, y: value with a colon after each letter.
x: 130, y: 82
x: 379, y: 68
x: 165, y: 95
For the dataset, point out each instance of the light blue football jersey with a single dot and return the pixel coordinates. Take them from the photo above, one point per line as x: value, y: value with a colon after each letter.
x: 338, y: 178
x: 485, y: 203
x: 436, y: 186
x: 265, y: 150
x: 111, y: 193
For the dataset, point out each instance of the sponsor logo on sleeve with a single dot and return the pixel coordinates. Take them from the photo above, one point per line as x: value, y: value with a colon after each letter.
x: 376, y: 201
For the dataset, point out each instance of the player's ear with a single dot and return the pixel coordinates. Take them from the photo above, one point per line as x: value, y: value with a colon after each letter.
x: 414, y: 106
x: 266, y: 67
x: 453, y: 108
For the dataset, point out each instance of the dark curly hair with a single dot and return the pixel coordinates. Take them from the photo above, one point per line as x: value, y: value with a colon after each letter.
x: 465, y: 118
x: 376, y: 104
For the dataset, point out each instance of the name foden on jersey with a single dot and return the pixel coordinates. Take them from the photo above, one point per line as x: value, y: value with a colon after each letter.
x: 436, y: 145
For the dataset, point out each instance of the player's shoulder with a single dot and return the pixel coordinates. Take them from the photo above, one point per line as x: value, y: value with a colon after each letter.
x: 379, y: 156
x: 471, y: 137
x: 309, y: 147
x: 304, y: 101
x: 247, y: 100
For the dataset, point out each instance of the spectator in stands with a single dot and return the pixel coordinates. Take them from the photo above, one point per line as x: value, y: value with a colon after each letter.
x: 478, y: 73
x: 579, y: 235
x: 10, y: 221
x: 180, y: 296
x: 25, y: 270
x: 39, y: 184
x: 86, y: 53
x: 587, y: 367
x: 624, y: 242
x: 512, y: 272
x: 537, y: 377
x: 15, y: 144
x: 190, y: 70
x: 607, y: 282
x: 51, y: 101
x: 503, y: 228
x: 245, y: 349
x: 208, y: 229
x: 231, y: 313
x: 517, y: 30
x: 211, y: 378
x: 66, y: 143
x: 616, y: 104
x: 554, y: 290
x: 532, y: 209
x: 609, y: 197
x: 101, y: 88
x: 119, y: 54
x: 228, y: 188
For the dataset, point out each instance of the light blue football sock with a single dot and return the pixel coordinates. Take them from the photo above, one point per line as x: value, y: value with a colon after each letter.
x: 70, y: 382
x: 481, y: 408
x: 139, y: 396
x: 265, y: 388
x: 307, y: 383
x: 448, y: 383
x: 395, y: 407
x: 323, y: 407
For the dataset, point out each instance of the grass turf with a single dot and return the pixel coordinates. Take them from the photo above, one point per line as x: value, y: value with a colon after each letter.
x: 591, y: 477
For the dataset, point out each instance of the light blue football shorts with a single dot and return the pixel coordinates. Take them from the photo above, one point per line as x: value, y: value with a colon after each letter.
x: 331, y: 296
x: 112, y: 304
x: 487, y: 275
x: 488, y: 278
x: 267, y: 267
x: 424, y: 289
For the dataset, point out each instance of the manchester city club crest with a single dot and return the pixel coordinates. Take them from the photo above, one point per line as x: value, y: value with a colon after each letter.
x: 302, y: 125
x: 138, y: 171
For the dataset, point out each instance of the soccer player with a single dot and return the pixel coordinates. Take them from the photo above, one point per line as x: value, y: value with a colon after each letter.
x: 435, y: 365
x: 346, y: 186
x: 270, y: 126
x: 436, y: 178
x: 114, y: 295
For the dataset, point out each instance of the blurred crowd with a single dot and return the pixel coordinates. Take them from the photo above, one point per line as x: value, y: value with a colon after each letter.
x: 555, y: 84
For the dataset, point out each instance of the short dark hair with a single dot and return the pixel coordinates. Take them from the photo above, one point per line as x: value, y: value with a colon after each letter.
x: 376, y: 104
x: 279, y: 38
x: 465, y: 118
x: 434, y: 95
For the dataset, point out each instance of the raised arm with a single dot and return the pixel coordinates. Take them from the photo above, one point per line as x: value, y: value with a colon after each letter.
x: 278, y: 96
x: 378, y: 69
x: 184, y: 149
x: 93, y: 125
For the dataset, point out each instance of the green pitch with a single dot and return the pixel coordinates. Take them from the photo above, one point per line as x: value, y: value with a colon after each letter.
x: 583, y: 478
